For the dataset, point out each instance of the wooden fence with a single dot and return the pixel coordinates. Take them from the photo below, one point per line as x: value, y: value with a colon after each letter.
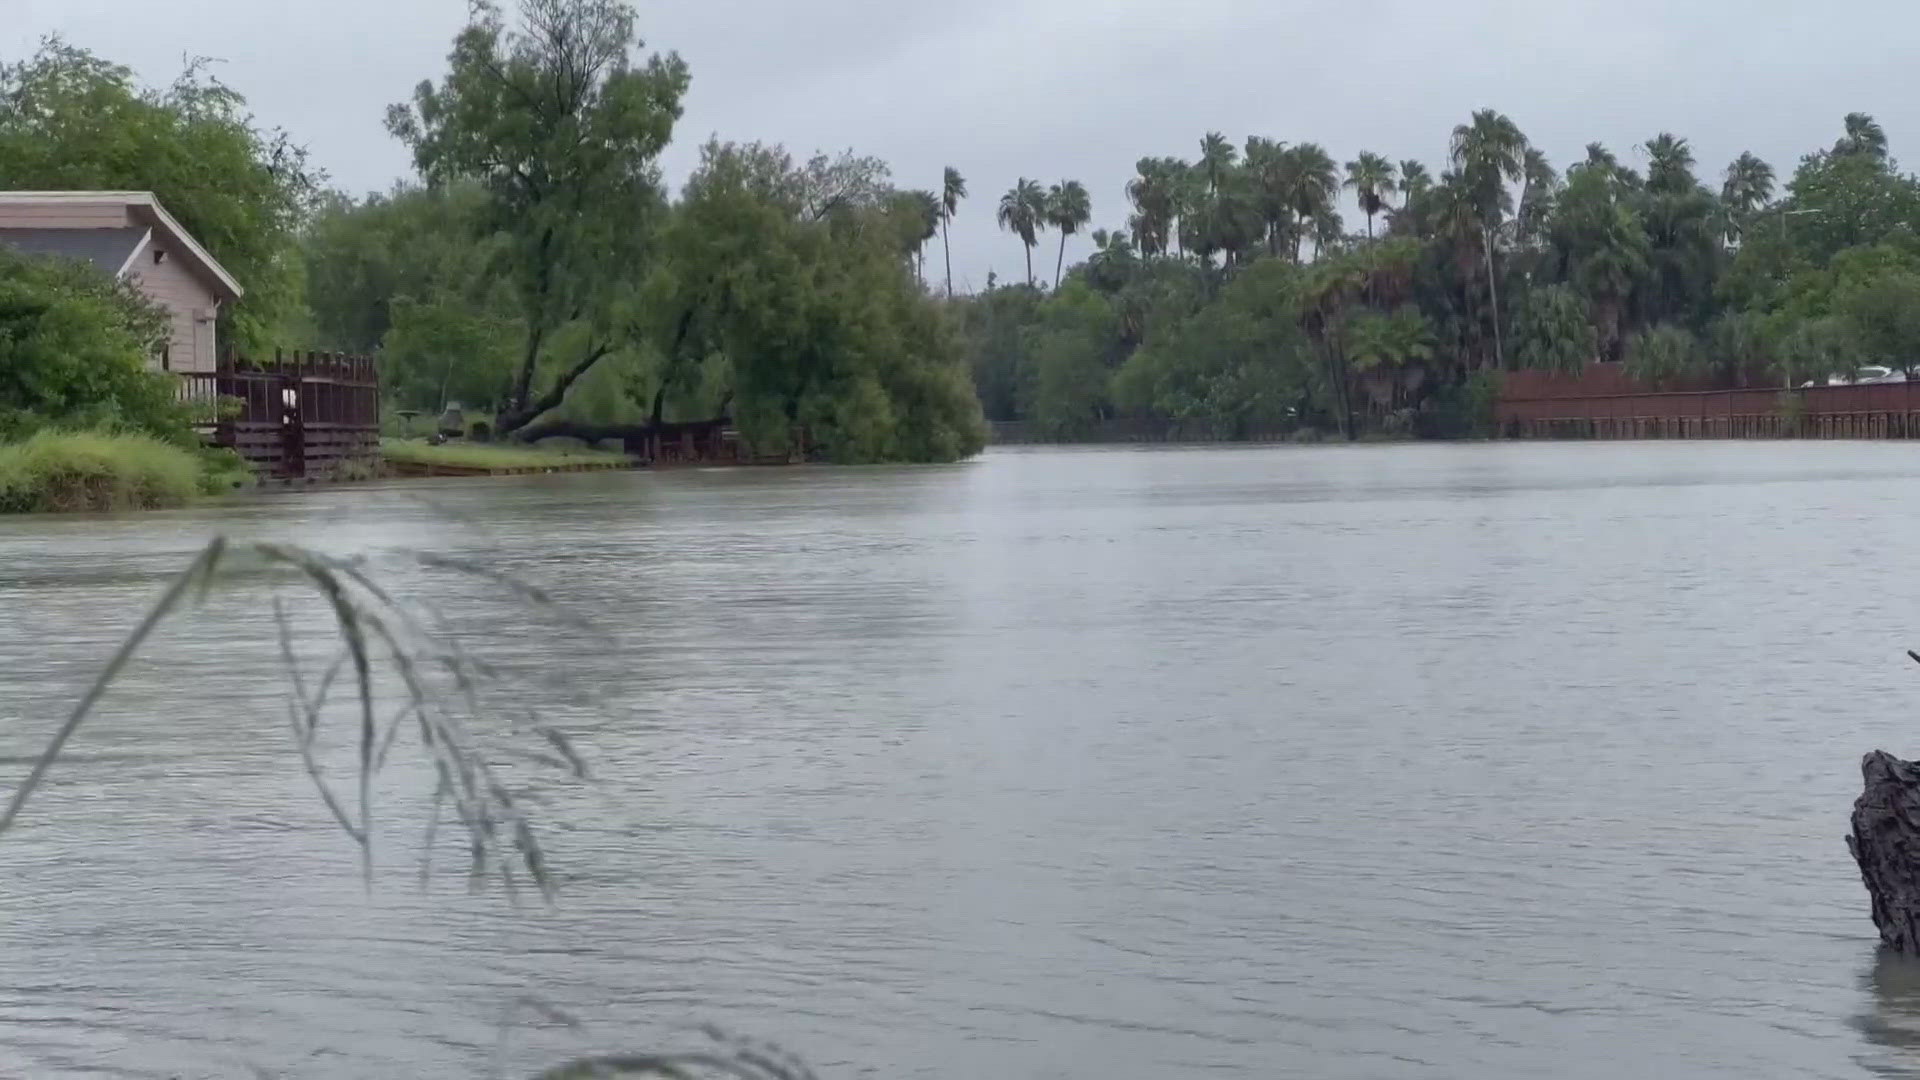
x: 1532, y: 405
x: 304, y: 415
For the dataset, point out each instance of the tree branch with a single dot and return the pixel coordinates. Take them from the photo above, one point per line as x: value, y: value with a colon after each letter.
x: 510, y: 423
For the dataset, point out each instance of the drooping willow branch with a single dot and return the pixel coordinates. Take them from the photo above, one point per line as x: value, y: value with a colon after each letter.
x: 436, y: 687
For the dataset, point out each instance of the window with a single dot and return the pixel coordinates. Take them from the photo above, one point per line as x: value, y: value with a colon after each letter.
x: 159, y: 256
x: 166, y: 358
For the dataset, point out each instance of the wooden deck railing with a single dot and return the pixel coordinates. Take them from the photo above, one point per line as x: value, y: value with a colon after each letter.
x: 300, y: 415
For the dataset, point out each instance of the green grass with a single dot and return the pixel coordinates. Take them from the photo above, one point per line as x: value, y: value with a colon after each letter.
x: 486, y: 456
x: 61, y: 471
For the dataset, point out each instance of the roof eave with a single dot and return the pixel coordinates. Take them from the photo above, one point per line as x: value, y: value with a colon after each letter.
x: 227, y: 285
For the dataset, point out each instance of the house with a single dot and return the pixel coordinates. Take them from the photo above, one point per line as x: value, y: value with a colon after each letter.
x: 129, y: 234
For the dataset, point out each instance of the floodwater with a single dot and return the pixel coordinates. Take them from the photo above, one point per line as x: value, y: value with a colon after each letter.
x: 1490, y: 761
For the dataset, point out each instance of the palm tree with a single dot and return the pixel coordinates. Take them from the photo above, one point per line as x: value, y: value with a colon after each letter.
x: 1267, y: 180
x: 1372, y: 179
x: 1068, y: 208
x: 1669, y: 165
x: 1022, y: 210
x: 1490, y: 153
x: 1603, y: 159
x: 1748, y: 188
x: 924, y: 210
x: 1152, y: 192
x: 1216, y: 159
x: 1536, y: 197
x: 1112, y: 261
x: 1415, y: 180
x: 952, y: 189
x: 1189, y: 202
x: 1864, y: 136
x: 1312, y: 181
x: 1329, y: 232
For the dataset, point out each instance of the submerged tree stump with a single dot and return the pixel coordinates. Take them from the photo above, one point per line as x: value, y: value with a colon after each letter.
x: 1886, y: 844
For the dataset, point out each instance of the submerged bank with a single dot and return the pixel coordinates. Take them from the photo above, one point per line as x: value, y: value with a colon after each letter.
x: 408, y: 457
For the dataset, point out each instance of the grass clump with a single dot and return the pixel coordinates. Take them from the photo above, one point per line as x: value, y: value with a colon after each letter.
x: 484, y: 456
x: 56, y: 471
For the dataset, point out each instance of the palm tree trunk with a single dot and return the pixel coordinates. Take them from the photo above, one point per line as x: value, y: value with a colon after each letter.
x: 1493, y: 292
x: 1059, y: 260
x: 946, y: 245
x: 1369, y: 225
x: 1028, y: 248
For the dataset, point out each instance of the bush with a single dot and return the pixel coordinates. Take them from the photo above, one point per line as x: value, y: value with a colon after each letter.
x: 75, y: 347
x: 90, y: 470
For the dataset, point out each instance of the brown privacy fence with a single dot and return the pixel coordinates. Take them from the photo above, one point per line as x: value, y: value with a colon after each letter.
x: 302, y: 415
x: 1534, y: 404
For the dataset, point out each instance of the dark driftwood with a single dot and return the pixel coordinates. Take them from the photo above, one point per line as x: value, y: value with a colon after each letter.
x: 1886, y: 844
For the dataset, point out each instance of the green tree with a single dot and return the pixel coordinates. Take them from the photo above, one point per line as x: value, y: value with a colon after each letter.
x: 1746, y: 190
x: 1815, y: 349
x: 1884, y: 314
x: 1604, y: 249
x: 1389, y: 352
x: 1553, y: 331
x: 1074, y: 341
x: 1113, y: 262
x: 1741, y: 347
x: 1312, y: 183
x: 953, y: 188
x: 70, y: 120
x: 1490, y: 152
x: 561, y: 129
x: 797, y: 321
x: 75, y: 351
x: 1663, y: 355
x: 915, y: 216
x: 1022, y: 211
x: 411, y: 276
x: 1864, y: 138
x: 1229, y: 366
x: 1540, y: 185
x: 1068, y: 209
x: 1684, y: 227
x: 1415, y: 180
x: 1371, y: 178
x: 1154, y: 194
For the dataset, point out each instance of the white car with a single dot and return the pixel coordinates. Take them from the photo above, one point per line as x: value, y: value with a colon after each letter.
x: 1872, y: 373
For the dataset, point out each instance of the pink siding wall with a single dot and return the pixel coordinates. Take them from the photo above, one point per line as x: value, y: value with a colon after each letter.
x: 53, y: 215
x: 174, y: 287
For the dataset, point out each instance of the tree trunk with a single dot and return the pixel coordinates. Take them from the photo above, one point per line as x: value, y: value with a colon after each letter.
x: 1028, y: 248
x: 1886, y: 844
x: 1059, y: 260
x: 523, y: 385
x: 1493, y: 293
x: 946, y: 246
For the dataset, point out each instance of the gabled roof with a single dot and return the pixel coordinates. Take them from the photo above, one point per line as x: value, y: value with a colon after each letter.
x: 108, y: 249
x: 142, y: 209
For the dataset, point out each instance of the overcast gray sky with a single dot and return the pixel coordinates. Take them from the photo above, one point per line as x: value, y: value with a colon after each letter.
x: 1083, y: 88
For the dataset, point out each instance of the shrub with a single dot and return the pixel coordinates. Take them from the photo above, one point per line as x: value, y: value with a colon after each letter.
x: 75, y: 347
x: 92, y: 470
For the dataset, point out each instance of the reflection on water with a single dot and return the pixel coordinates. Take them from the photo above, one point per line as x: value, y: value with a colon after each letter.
x: 1343, y: 763
x: 1894, y: 1023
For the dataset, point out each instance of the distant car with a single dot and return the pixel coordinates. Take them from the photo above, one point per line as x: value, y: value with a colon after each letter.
x: 1872, y: 373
